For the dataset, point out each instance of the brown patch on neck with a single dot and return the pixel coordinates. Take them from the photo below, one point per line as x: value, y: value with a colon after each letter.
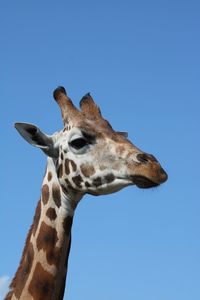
x: 46, y: 240
x: 47, y: 237
x: 45, y: 194
x: 42, y: 284
x: 87, y: 170
x: 56, y: 195
x: 49, y: 177
x: 51, y: 213
x: 54, y: 256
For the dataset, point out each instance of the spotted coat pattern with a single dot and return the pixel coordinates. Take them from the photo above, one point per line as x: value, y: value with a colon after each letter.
x: 87, y: 156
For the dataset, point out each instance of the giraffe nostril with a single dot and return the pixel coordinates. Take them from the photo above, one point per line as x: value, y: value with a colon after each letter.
x: 145, y: 158
x: 142, y: 157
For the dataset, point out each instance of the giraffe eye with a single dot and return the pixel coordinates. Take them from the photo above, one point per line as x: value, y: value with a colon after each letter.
x: 78, y: 143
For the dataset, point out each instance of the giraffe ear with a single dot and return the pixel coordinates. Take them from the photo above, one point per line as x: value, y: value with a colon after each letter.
x: 34, y: 136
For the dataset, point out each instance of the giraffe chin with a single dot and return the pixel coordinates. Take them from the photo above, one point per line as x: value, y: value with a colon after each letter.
x: 143, y: 182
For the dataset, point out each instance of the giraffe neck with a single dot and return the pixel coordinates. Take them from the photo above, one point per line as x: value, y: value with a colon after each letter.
x: 43, y: 267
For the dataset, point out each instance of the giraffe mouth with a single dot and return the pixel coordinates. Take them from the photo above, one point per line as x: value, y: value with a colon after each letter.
x: 143, y: 182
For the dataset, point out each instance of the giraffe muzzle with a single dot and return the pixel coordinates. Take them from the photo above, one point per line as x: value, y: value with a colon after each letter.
x: 150, y: 179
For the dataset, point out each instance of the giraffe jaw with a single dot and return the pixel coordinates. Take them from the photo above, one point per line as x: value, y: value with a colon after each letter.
x: 113, y: 187
x: 120, y: 183
x: 143, y: 182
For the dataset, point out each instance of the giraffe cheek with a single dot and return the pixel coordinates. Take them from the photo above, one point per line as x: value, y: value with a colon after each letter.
x: 87, y: 170
x: 70, y: 166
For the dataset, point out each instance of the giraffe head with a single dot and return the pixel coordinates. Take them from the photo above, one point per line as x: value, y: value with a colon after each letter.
x: 89, y: 155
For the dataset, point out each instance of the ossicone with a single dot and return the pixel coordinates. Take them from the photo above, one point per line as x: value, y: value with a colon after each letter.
x: 68, y: 110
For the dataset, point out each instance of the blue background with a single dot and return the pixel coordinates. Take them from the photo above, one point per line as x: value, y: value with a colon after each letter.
x: 140, y: 60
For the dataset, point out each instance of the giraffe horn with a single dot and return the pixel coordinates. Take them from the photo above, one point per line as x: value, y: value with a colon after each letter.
x: 89, y: 107
x: 68, y: 109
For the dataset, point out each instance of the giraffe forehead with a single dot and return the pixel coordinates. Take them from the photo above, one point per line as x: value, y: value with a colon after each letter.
x: 100, y: 130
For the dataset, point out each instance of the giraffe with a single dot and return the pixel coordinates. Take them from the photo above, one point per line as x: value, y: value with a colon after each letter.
x: 86, y: 157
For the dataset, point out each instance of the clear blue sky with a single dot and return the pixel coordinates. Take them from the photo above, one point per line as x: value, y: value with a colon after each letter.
x: 141, y: 62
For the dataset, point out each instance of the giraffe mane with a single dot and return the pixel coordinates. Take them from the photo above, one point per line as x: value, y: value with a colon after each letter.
x: 27, y: 257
